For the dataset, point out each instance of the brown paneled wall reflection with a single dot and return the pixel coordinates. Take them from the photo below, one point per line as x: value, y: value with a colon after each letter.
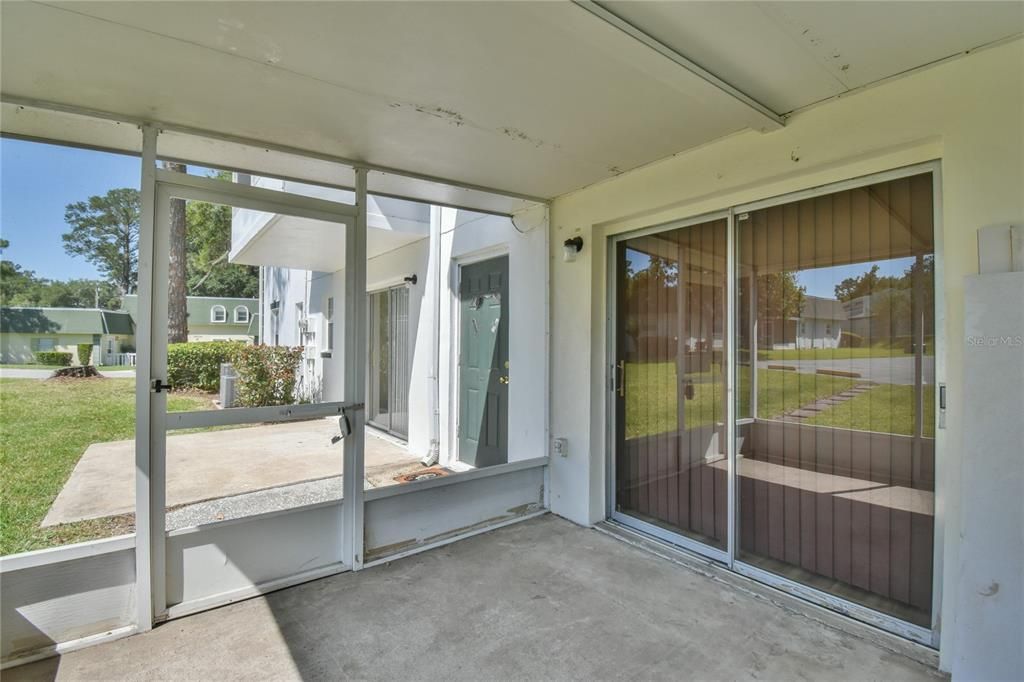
x: 836, y: 392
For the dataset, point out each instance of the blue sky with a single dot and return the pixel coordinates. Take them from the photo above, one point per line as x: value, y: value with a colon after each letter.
x: 36, y: 182
x: 820, y: 281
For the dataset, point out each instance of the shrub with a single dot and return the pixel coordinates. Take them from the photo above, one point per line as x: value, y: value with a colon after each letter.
x: 50, y: 357
x: 197, y: 365
x: 85, y: 354
x: 266, y: 375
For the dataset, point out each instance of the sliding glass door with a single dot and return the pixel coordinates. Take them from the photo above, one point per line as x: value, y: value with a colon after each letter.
x: 831, y: 357
x: 389, y: 360
x: 670, y: 399
x: 837, y: 387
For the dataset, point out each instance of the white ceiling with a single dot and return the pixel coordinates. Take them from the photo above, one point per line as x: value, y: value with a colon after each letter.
x: 535, y: 99
x: 788, y: 55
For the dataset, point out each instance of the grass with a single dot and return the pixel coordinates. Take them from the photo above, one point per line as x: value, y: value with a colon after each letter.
x: 651, y: 400
x: 887, y: 408
x: 45, y: 427
x: 837, y: 353
x: 105, y: 368
x: 651, y: 396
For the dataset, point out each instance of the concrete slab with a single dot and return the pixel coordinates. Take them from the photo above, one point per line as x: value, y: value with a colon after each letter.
x: 216, y: 464
x: 543, y: 599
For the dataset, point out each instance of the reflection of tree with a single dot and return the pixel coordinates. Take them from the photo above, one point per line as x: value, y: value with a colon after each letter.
x: 643, y: 285
x: 892, y: 301
x: 784, y: 298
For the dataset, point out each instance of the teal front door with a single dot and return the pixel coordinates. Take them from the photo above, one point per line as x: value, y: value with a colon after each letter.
x: 483, y: 363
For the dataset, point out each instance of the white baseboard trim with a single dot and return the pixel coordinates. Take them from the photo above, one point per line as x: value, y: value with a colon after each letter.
x: 69, y: 646
x: 454, y: 538
x: 224, y: 598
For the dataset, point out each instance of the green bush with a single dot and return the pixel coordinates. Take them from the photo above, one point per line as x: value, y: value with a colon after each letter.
x: 197, y: 365
x: 85, y: 354
x: 267, y: 375
x: 51, y: 357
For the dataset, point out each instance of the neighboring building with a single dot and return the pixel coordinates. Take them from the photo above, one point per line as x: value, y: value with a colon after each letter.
x: 27, y: 331
x: 478, y: 361
x: 212, y: 318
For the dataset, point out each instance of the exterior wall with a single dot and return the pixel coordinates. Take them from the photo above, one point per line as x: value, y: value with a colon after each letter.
x: 465, y: 237
x: 966, y: 112
x: 818, y: 333
x: 16, y: 348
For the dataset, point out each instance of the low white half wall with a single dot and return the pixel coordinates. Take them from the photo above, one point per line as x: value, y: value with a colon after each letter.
x: 212, y: 565
x: 403, y: 520
x: 52, y: 599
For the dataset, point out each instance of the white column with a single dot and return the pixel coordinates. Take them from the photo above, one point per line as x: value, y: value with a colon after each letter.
x: 355, y: 360
x: 144, y: 539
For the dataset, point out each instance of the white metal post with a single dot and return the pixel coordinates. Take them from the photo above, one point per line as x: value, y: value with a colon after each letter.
x: 144, y: 540
x: 355, y: 378
x: 731, y: 292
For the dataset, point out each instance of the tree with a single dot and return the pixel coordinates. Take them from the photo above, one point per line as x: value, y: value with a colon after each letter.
x: 105, y: 231
x: 177, y: 291
x: 783, y: 296
x: 209, y: 243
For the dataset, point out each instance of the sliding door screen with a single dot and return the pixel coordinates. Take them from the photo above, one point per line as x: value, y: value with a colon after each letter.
x: 835, y: 404
x: 670, y: 458
x: 389, y: 361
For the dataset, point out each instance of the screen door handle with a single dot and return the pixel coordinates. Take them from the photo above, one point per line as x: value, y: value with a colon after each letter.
x: 621, y: 378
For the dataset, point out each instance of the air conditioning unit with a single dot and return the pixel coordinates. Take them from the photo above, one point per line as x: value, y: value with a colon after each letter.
x: 316, y: 334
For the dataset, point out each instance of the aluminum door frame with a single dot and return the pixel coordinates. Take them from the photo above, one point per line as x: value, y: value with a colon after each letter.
x: 654, y: 530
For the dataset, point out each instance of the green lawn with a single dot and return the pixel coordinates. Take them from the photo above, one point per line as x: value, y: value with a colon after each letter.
x: 886, y: 408
x: 105, y: 368
x: 45, y: 426
x: 836, y: 353
x: 651, y: 396
x: 651, y: 400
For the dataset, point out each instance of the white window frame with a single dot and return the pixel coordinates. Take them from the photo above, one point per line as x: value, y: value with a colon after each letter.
x: 223, y: 312
x: 236, y: 317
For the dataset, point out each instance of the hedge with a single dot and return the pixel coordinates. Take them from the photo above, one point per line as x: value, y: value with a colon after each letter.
x: 51, y: 357
x: 197, y: 365
x: 267, y: 375
x: 85, y: 354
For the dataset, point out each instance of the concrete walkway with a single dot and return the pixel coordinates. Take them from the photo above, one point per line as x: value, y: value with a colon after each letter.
x: 540, y: 600
x: 893, y: 370
x: 15, y: 373
x: 216, y: 464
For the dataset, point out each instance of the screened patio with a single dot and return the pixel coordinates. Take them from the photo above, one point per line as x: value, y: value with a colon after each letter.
x: 585, y: 221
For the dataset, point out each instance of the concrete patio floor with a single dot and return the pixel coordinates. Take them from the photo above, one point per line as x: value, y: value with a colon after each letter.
x: 543, y: 599
x: 216, y: 464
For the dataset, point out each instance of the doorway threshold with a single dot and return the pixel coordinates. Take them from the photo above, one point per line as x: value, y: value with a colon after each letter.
x: 719, y: 573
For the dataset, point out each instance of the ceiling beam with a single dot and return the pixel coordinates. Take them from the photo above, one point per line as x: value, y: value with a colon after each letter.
x: 770, y: 119
x: 45, y: 105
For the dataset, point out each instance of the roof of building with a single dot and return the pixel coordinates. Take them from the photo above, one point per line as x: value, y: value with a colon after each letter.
x: 65, y: 321
x: 819, y: 308
x: 199, y: 308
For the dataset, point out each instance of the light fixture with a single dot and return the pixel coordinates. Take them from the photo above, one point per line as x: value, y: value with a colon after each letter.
x: 571, y: 247
x: 411, y: 279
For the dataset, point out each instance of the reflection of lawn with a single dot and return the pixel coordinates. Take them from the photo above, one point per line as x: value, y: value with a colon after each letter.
x: 838, y: 353
x: 651, y: 396
x: 886, y: 408
x: 651, y: 400
x: 45, y: 427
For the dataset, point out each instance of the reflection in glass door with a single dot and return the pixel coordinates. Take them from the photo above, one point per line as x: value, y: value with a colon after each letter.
x: 836, y: 393
x: 670, y: 459
x: 389, y: 360
x: 833, y: 361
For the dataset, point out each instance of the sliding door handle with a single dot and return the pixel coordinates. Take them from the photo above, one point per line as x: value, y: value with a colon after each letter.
x: 620, y: 380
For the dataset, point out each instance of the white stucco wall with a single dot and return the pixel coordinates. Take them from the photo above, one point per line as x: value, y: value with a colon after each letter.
x: 465, y: 237
x: 967, y: 112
